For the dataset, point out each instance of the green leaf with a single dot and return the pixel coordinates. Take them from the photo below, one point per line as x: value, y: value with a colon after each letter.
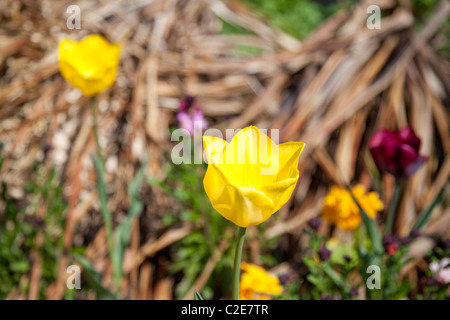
x: 1, y: 159
x: 197, y: 295
x: 20, y: 266
x: 123, y: 230
x: 339, y: 251
x: 334, y: 276
x: 425, y: 215
x: 106, y: 214
x: 311, y: 264
x: 103, y: 195
x: 316, y: 281
x: 372, y: 228
x: 94, y: 279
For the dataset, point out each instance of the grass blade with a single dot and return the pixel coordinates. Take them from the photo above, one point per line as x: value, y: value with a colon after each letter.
x: 197, y: 295
x: 123, y: 230
x: 423, y: 218
x: 93, y: 277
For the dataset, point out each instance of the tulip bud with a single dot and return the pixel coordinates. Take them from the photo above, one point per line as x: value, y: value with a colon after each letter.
x: 90, y: 64
x: 396, y: 152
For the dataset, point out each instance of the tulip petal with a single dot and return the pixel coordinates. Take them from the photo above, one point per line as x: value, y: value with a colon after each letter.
x: 408, y: 136
x: 408, y: 159
x: 250, y: 159
x: 280, y: 192
x: 414, y: 166
x: 214, y: 148
x: 214, y: 180
x: 289, y: 153
x: 91, y: 64
x: 243, y: 206
x: 66, y: 50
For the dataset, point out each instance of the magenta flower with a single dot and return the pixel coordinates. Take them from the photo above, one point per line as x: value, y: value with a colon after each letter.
x: 396, y: 152
x: 190, y: 116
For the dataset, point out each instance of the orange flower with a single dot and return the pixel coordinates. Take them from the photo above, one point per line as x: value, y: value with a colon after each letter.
x: 257, y: 284
x: 340, y: 209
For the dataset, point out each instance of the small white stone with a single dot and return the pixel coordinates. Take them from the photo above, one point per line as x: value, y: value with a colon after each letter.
x: 61, y: 141
x: 36, y: 37
x: 59, y: 156
x: 16, y: 193
x: 111, y: 164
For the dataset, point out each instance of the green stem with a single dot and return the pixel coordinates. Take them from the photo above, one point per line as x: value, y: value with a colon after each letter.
x: 392, y: 208
x: 103, y: 197
x: 237, y: 263
x: 94, y: 117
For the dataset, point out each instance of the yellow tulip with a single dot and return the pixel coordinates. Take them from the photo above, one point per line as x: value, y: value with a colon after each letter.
x: 250, y: 178
x: 89, y: 65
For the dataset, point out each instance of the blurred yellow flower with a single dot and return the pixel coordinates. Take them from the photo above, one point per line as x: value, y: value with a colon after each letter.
x: 340, y: 209
x: 89, y: 65
x: 250, y: 178
x: 257, y: 284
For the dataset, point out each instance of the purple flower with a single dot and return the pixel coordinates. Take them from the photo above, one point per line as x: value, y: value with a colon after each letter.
x: 390, y: 243
x: 327, y: 297
x: 405, y: 240
x: 353, y: 292
x: 430, y: 282
x: 396, y: 152
x: 447, y: 243
x: 284, y: 278
x: 186, y: 103
x: 37, y: 222
x: 324, y: 253
x: 314, y: 223
x: 190, y: 116
x: 414, y: 233
x: 47, y: 148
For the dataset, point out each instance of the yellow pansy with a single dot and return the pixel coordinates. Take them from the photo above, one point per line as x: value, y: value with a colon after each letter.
x: 257, y: 284
x: 340, y: 209
x: 251, y: 177
x: 89, y: 65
